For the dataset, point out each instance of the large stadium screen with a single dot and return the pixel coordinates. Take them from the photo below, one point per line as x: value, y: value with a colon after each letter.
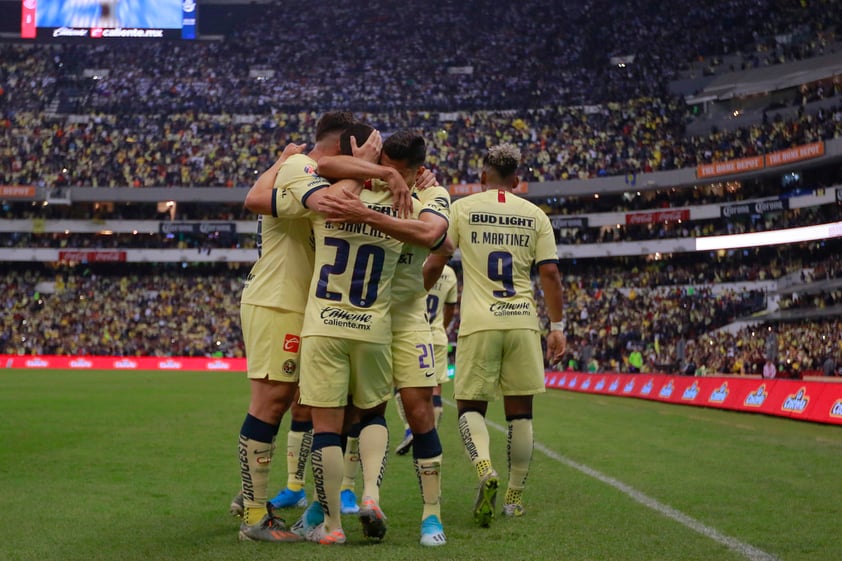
x: 108, y: 19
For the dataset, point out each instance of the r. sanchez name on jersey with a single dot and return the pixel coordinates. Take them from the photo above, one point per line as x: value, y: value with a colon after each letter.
x: 281, y: 276
x: 500, y: 236
x: 408, y: 294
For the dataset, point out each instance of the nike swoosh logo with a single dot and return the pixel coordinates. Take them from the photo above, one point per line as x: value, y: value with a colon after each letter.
x: 430, y: 374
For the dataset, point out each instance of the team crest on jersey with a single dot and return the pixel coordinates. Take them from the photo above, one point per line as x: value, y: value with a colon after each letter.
x: 290, y: 366
x: 311, y: 170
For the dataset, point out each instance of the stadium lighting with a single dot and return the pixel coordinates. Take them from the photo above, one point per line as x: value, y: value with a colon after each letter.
x: 790, y: 235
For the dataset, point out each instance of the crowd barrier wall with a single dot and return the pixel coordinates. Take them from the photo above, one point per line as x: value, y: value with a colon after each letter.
x: 820, y: 402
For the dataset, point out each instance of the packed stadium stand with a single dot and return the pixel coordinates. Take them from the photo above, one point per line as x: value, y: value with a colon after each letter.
x: 140, y: 152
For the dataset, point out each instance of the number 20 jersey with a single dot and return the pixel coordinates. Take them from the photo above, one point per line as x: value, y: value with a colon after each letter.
x: 500, y: 236
x: 350, y: 294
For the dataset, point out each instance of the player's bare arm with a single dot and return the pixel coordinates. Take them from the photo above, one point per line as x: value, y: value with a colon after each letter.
x: 554, y: 299
x: 259, y: 198
x: 428, y: 230
x: 435, y: 262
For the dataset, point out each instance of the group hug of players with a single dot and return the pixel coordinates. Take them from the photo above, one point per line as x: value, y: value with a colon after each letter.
x: 353, y: 238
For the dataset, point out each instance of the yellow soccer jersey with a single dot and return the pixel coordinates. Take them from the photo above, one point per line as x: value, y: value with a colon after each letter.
x: 500, y: 236
x: 408, y: 294
x: 445, y: 291
x: 281, y: 276
x: 351, y: 289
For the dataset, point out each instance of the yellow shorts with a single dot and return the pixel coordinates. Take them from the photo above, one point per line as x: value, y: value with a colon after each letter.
x: 490, y: 363
x: 413, y: 359
x: 272, y: 338
x: 336, y: 368
x: 441, y: 363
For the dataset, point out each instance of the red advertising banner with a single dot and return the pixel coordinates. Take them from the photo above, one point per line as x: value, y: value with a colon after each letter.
x: 779, y: 158
x: 27, y: 19
x: 659, y: 216
x: 17, y: 192
x: 729, y: 167
x: 795, y: 154
x: 92, y: 256
x: 124, y: 363
x: 463, y: 189
x: 812, y: 401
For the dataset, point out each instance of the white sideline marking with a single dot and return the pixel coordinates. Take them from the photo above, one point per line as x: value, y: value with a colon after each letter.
x: 747, y: 550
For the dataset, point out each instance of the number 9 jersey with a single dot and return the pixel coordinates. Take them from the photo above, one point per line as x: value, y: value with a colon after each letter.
x: 500, y: 236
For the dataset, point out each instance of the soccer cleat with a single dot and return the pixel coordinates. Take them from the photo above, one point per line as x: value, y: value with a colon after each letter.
x: 319, y: 534
x: 288, y: 499
x: 406, y: 444
x: 372, y: 519
x: 486, y: 499
x: 269, y: 529
x: 237, y: 507
x: 312, y: 517
x: 432, y: 533
x: 513, y: 509
x: 349, y: 502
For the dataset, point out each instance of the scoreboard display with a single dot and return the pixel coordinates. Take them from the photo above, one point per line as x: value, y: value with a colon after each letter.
x: 108, y: 19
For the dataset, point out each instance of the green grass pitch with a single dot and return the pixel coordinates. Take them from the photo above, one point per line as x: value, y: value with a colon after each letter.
x: 141, y: 466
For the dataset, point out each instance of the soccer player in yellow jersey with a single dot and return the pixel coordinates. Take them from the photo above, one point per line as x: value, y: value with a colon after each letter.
x: 272, y: 308
x: 442, y: 299
x: 346, y: 339
x: 413, y: 356
x: 501, y: 236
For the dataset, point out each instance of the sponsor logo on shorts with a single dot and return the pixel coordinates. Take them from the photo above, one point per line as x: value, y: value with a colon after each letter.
x: 291, y: 343
x: 290, y: 366
x: 429, y: 374
x: 332, y: 315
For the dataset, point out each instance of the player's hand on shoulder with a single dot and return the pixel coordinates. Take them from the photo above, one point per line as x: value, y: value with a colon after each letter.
x: 425, y: 178
x: 370, y: 150
x: 346, y: 209
x: 290, y: 150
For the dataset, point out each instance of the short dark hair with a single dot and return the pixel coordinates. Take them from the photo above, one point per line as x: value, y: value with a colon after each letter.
x: 406, y: 146
x: 360, y: 131
x: 333, y: 121
x: 503, y: 158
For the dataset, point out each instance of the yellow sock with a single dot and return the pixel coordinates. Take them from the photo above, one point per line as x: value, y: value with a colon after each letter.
x: 298, y: 451
x: 351, y: 463
x: 474, y: 434
x: 520, y: 453
x: 327, y: 477
x: 374, y: 444
x: 429, y: 476
x: 255, y: 458
x: 401, y: 411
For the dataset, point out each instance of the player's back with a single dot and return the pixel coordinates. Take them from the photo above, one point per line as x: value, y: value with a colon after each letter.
x: 350, y: 291
x: 500, y: 236
x: 280, y: 278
